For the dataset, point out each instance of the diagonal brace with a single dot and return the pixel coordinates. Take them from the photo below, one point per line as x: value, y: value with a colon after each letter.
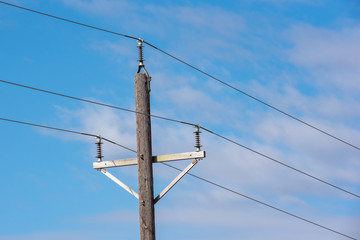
x: 121, y: 184
x: 182, y: 174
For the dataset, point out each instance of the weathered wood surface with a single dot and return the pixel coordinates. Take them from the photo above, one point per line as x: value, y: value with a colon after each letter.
x: 144, y: 157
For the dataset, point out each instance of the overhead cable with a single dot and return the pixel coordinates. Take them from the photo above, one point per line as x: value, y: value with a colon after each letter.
x: 94, y: 102
x: 187, y: 123
x: 193, y: 67
x: 260, y: 202
x: 254, y: 98
x: 48, y: 127
x: 200, y: 178
x: 281, y: 163
x: 63, y: 130
x: 68, y: 20
x: 115, y: 143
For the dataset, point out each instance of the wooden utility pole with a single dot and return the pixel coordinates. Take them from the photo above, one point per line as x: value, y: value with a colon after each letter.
x: 144, y: 157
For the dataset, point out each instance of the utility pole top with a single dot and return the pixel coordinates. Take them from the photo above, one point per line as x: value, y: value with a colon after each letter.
x: 144, y: 158
x: 141, y: 57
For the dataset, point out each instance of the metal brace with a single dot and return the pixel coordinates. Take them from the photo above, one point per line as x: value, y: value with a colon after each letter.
x: 178, y: 177
x: 120, y: 183
x: 197, y: 156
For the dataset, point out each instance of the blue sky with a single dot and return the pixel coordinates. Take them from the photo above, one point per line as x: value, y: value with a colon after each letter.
x: 301, y: 56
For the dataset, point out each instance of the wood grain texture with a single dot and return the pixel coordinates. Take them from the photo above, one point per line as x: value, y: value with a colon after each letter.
x: 144, y: 158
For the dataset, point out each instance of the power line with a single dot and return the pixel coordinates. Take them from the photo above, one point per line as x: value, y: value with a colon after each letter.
x: 115, y: 143
x: 63, y: 130
x: 207, y: 74
x: 253, y: 199
x: 215, y: 184
x: 253, y: 97
x: 279, y: 162
x: 47, y: 127
x: 193, y: 67
x: 182, y: 122
x: 68, y: 20
x: 173, y: 120
x: 93, y: 102
x: 262, y: 203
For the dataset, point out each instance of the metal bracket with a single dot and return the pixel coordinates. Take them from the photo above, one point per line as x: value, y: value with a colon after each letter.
x: 120, y: 183
x: 161, y: 158
x: 178, y: 177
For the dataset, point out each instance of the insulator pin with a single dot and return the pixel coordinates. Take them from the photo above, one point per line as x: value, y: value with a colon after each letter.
x: 98, y: 143
x: 141, y: 57
x: 197, y: 138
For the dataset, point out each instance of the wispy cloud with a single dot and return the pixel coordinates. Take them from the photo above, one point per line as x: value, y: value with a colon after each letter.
x: 329, y: 54
x: 212, y: 38
x: 110, y: 8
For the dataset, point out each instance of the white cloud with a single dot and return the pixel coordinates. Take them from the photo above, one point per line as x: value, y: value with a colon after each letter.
x: 55, y: 235
x: 277, y: 137
x: 283, y: 2
x: 317, y: 47
x: 332, y: 56
x: 102, y: 7
x: 211, y: 31
x: 107, y: 123
x: 217, y: 20
x: 238, y: 216
x: 118, y: 216
x: 332, y: 59
x: 315, y: 151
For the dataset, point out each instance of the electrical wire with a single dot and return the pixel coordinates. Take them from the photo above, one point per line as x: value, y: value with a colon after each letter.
x: 187, y: 123
x: 200, y: 178
x: 63, y: 130
x: 260, y: 202
x: 94, y: 102
x: 193, y: 67
x: 68, y: 20
x: 254, y: 98
x: 115, y: 143
x: 47, y: 127
x: 279, y: 162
